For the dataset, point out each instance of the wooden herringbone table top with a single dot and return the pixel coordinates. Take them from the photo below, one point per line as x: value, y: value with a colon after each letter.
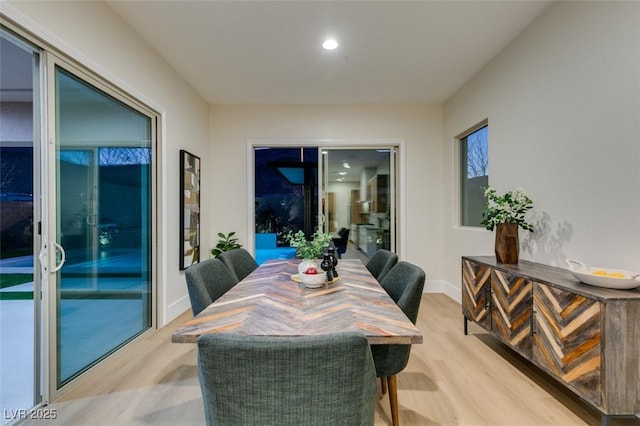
x: 269, y: 303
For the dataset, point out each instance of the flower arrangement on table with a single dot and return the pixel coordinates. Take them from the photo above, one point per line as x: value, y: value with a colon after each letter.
x: 309, y: 249
x: 506, y: 213
x: 508, y: 208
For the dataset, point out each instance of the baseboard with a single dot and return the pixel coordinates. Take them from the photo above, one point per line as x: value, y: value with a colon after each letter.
x: 439, y: 286
x: 176, y: 309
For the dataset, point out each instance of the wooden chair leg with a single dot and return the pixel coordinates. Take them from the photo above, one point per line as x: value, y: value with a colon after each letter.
x: 383, y: 384
x: 393, y: 399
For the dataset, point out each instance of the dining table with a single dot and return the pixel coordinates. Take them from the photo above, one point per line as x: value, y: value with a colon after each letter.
x: 271, y: 302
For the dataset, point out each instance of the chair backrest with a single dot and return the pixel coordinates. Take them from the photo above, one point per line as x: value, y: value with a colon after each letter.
x: 342, y: 240
x: 206, y: 282
x: 404, y: 284
x: 239, y: 261
x: 381, y: 263
x: 307, y: 380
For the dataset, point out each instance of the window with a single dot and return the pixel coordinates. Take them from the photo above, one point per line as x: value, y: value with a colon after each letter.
x: 474, y: 174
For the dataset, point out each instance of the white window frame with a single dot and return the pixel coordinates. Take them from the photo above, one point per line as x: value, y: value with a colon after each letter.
x: 457, y: 158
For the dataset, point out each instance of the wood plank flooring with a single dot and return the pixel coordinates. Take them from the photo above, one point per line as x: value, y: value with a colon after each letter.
x: 451, y: 379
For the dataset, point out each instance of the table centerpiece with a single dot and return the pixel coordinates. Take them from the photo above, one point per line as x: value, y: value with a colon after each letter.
x: 310, y: 251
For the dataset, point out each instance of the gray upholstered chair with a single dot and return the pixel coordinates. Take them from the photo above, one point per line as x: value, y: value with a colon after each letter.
x: 206, y: 282
x: 308, y: 380
x: 404, y: 283
x: 381, y: 263
x: 239, y: 261
x: 341, y: 241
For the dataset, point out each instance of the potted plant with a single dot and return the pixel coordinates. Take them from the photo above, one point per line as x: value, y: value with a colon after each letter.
x: 506, y: 213
x: 311, y: 250
x: 225, y: 243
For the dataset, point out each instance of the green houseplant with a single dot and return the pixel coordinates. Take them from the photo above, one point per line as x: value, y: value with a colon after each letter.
x: 225, y: 243
x: 506, y: 213
x: 309, y: 249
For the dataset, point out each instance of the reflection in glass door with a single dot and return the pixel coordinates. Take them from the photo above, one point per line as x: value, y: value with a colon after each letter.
x: 359, y: 196
x: 356, y: 200
x: 102, y: 222
x: 19, y: 211
x: 285, y: 191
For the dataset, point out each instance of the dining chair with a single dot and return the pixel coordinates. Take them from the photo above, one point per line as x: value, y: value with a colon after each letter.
x: 304, y: 380
x: 341, y: 241
x: 381, y: 263
x: 404, y: 284
x: 239, y: 261
x: 206, y: 282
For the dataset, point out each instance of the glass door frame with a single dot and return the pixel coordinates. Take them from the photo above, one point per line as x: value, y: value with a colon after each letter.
x: 48, y: 256
x: 392, y: 185
x: 396, y: 167
x: 18, y: 37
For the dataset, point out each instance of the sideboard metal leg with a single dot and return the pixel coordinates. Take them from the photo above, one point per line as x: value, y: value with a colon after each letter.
x: 466, y: 327
x: 605, y: 420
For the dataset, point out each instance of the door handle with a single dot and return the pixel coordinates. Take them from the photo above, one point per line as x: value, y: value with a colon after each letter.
x: 533, y: 322
x: 44, y: 259
x: 91, y: 219
x: 63, y: 255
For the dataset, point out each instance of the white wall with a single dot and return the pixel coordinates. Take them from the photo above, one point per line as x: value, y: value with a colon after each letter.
x: 342, y: 202
x: 563, y: 103
x: 419, y: 126
x: 94, y: 35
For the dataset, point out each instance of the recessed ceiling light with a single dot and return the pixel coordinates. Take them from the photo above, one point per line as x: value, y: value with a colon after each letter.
x: 330, y: 44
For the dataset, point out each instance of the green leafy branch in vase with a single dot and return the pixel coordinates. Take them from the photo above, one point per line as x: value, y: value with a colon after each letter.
x: 508, y: 208
x: 309, y: 249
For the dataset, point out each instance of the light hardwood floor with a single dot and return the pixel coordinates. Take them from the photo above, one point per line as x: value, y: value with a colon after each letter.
x: 451, y: 379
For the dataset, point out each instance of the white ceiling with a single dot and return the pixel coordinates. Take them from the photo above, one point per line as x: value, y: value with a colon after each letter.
x: 269, y: 52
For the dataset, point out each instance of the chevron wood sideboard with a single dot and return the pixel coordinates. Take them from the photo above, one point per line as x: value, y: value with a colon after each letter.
x: 586, y: 337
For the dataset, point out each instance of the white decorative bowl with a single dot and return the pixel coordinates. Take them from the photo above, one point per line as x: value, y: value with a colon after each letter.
x: 308, y: 263
x: 313, y: 280
x: 604, y: 277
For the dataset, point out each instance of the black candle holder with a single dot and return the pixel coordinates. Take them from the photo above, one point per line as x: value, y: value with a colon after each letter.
x: 327, y: 266
x: 334, y: 260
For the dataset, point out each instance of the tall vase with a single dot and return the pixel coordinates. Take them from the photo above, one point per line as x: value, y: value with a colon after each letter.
x: 507, y: 244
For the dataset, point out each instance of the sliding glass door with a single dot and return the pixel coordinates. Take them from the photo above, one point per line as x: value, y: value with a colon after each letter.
x: 77, y: 196
x: 285, y: 193
x: 100, y: 199
x: 19, y: 211
x: 344, y: 190
x: 359, y: 197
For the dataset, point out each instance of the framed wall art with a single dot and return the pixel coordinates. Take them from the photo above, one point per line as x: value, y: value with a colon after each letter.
x: 189, y: 209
